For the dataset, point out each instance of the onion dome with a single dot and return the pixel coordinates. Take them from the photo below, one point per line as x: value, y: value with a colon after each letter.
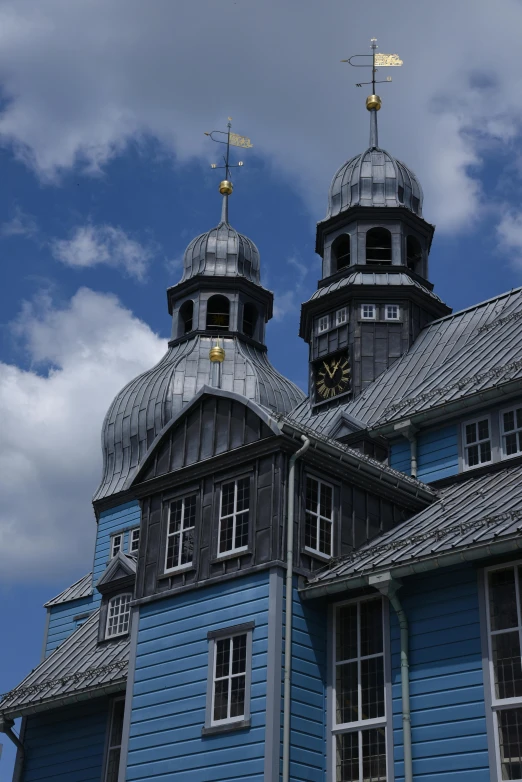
x: 222, y: 252
x: 374, y: 178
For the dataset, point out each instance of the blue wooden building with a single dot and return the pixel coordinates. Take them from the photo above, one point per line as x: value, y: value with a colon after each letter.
x: 319, y: 589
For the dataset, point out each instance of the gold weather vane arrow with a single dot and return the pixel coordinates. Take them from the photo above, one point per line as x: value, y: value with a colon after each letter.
x: 232, y: 140
x: 378, y: 61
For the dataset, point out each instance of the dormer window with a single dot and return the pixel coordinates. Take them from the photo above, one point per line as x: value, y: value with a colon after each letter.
x: 218, y: 313
x: 477, y: 443
x: 378, y: 246
x: 116, y: 544
x: 340, y: 253
x: 118, y: 615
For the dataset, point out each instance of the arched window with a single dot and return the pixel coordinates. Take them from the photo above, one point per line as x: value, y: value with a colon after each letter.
x: 341, y: 253
x: 249, y: 319
x: 118, y: 615
x: 186, y: 315
x: 378, y: 246
x: 218, y: 313
x: 413, y: 253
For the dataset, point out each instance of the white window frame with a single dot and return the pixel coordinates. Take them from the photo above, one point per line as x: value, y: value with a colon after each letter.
x: 116, y: 540
x: 465, y: 446
x: 323, y: 324
x: 499, y: 704
x: 132, y: 538
x: 235, y: 549
x: 127, y: 606
x: 227, y: 634
x: 387, y: 308
x: 318, y: 517
x: 360, y: 725
x: 110, y: 747
x: 341, y: 316
x: 182, y: 529
x: 369, y: 317
x: 504, y: 434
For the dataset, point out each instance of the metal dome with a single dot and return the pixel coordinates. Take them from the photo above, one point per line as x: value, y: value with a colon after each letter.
x: 374, y: 178
x: 222, y: 252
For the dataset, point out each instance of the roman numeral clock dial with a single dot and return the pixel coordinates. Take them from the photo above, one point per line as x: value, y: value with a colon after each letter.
x: 332, y: 377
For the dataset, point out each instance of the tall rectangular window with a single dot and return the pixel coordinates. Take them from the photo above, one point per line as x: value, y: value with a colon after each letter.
x: 511, y: 426
x: 180, y: 533
x: 114, y: 741
x: 118, y: 615
x: 229, y: 677
x: 234, y: 516
x: 323, y: 324
x: 504, y: 598
x: 134, y: 540
x: 359, y: 709
x: 341, y: 316
x: 116, y: 544
x: 318, y: 516
x: 477, y: 442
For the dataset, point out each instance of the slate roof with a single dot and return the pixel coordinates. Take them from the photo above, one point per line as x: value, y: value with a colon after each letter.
x: 81, y: 588
x: 77, y: 670
x: 373, y: 278
x: 468, y: 521
x: 222, y: 252
x: 463, y: 354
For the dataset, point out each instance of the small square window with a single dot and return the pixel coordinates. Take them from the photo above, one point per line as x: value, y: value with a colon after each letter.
x: 323, y: 324
x: 341, y: 316
x: 368, y: 311
x: 477, y: 443
x: 116, y: 544
x: 392, y: 312
x: 134, y: 540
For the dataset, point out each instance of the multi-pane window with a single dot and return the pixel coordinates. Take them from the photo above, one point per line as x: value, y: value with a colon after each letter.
x: 116, y: 544
x: 477, y: 442
x: 359, y: 712
x: 114, y: 741
x: 511, y: 425
x: 234, y: 516
x: 504, y: 600
x: 368, y: 311
x: 341, y: 316
x: 392, y: 312
x: 323, y: 323
x: 118, y: 615
x: 318, y: 516
x: 229, y: 678
x: 180, y: 532
x: 134, y: 540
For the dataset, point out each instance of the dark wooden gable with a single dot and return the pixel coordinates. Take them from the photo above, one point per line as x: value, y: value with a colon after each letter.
x: 216, y: 425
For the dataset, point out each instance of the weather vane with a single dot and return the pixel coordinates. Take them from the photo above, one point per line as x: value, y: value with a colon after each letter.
x: 378, y: 61
x: 232, y: 140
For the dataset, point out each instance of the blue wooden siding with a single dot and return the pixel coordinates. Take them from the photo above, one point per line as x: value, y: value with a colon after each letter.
x: 66, y: 744
x: 308, y: 726
x: 110, y: 521
x: 437, y: 454
x: 61, y: 620
x: 446, y: 682
x: 168, y: 707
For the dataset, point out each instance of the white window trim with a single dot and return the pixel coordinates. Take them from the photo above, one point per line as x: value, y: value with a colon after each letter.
x: 122, y: 632
x: 465, y: 446
x: 352, y: 727
x: 496, y: 704
x: 367, y: 317
x: 387, y: 317
x: 502, y: 433
x: 121, y: 536
x: 131, y: 533
x: 234, y: 515
x: 320, y: 329
x: 219, y: 635
x: 185, y: 565
x: 337, y: 313
x: 318, y: 517
x: 108, y: 746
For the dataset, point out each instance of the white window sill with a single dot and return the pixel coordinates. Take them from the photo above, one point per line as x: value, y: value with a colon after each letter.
x: 232, y: 552
x: 318, y: 554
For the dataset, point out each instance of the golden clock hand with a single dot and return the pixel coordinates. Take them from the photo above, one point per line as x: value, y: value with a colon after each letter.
x: 327, y: 368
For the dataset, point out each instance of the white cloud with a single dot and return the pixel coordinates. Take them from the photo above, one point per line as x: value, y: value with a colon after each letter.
x: 92, y: 245
x: 50, y: 453
x: 162, y: 74
x: 509, y: 232
x: 20, y: 224
x: 288, y: 302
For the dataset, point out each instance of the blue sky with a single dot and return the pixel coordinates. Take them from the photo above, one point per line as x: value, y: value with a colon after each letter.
x: 105, y: 178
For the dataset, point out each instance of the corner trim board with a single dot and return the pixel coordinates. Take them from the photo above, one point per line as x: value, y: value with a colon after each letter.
x: 273, y: 676
x: 135, y: 620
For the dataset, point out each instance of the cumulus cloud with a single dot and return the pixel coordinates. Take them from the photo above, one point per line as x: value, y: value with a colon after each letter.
x: 509, y: 232
x: 155, y: 74
x: 92, y: 245
x: 20, y: 224
x: 287, y: 302
x: 80, y: 355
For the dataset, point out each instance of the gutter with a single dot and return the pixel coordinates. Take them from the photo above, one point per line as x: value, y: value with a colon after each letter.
x: 289, y: 607
x: 6, y: 726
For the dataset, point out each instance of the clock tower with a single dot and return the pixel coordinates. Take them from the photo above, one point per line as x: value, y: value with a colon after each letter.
x: 374, y: 295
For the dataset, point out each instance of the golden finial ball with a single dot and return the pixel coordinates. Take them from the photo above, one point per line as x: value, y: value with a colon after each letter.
x: 373, y: 103
x: 225, y: 187
x: 217, y: 354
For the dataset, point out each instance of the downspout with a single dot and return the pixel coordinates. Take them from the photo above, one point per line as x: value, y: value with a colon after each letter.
x: 409, y: 431
x: 389, y: 586
x: 6, y: 726
x: 288, y: 614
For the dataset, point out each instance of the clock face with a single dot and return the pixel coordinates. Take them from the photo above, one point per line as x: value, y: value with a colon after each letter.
x: 332, y: 377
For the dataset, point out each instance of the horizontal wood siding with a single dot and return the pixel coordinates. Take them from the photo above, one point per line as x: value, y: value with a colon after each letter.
x: 437, y: 454
x: 308, y: 727
x: 168, y: 707
x: 446, y: 682
x: 110, y: 521
x: 67, y: 745
x: 400, y: 456
x: 61, y: 620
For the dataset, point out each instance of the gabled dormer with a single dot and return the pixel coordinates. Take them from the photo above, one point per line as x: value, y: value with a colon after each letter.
x: 116, y: 586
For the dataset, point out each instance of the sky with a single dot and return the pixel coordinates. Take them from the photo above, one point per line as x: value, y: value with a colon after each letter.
x: 105, y: 178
